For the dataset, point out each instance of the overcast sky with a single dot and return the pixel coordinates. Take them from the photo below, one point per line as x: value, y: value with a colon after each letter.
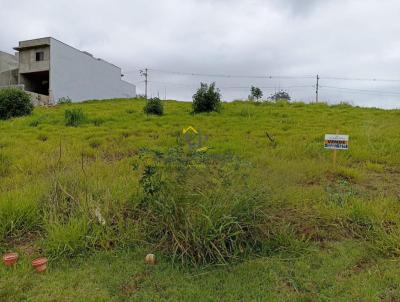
x: 279, y: 38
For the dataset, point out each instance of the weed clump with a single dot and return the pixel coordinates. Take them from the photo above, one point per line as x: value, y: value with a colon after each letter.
x: 154, y: 106
x: 196, y: 212
x: 5, y: 164
x: 98, y: 121
x: 74, y: 117
x: 18, y: 215
x: 67, y: 239
x: 34, y: 123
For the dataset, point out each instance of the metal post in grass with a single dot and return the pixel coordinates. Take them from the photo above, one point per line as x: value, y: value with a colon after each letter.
x: 335, y: 152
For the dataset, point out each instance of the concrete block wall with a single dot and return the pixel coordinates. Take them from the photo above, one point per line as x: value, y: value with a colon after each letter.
x: 7, y: 62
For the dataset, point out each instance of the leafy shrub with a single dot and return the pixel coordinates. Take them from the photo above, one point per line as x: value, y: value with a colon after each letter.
x: 64, y: 100
x: 14, y: 102
x: 154, y: 106
x: 207, y: 98
x: 74, y: 117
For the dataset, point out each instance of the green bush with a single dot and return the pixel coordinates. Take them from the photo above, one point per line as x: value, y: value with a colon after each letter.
x: 74, y: 117
x: 154, y: 106
x: 206, y: 99
x: 14, y: 102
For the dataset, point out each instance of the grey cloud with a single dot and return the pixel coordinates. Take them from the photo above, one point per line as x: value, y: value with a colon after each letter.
x: 299, y: 7
x: 287, y: 37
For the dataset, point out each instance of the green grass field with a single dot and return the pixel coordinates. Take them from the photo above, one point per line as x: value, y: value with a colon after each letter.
x: 262, y: 215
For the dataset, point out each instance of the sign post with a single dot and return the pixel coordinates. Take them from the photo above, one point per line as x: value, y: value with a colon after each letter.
x: 336, y: 142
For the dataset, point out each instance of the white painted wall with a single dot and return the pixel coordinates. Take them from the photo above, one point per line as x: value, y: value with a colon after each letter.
x: 80, y: 76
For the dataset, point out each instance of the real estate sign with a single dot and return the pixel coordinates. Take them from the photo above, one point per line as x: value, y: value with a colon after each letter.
x: 336, y: 141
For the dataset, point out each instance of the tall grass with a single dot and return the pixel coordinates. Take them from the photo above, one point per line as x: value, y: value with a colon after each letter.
x: 67, y: 239
x: 74, y: 117
x: 123, y: 181
x: 200, y: 212
x: 19, y: 214
x: 5, y: 164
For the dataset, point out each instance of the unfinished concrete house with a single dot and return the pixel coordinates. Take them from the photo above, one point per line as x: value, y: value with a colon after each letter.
x: 49, y: 70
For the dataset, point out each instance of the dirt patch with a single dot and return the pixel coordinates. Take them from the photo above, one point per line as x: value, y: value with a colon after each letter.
x: 360, y: 266
x: 25, y: 244
x: 386, y: 182
x: 134, y: 284
x: 113, y: 156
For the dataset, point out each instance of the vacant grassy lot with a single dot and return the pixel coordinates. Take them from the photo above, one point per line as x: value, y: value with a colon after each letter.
x: 260, y: 216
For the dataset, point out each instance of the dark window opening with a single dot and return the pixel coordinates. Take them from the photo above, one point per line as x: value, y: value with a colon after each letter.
x: 40, y: 56
x: 37, y: 82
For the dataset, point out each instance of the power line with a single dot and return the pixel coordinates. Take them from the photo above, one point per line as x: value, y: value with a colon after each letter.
x: 196, y: 74
x: 360, y: 79
x: 233, y: 87
x: 229, y: 75
x: 355, y: 90
x: 287, y: 77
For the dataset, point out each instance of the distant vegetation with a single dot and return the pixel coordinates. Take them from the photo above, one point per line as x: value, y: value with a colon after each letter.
x: 154, y: 106
x: 64, y: 100
x: 14, y: 102
x: 207, y: 98
x: 255, y: 94
x: 280, y: 96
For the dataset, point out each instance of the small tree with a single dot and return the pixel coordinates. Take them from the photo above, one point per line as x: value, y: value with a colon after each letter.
x: 14, y: 102
x: 280, y: 96
x: 207, y: 98
x: 154, y: 106
x: 255, y: 93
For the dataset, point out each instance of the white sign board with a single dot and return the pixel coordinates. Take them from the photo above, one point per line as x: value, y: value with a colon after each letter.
x: 336, y: 141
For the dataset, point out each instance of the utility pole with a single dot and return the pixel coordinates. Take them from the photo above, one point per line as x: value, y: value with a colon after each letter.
x: 317, y: 89
x: 145, y: 75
